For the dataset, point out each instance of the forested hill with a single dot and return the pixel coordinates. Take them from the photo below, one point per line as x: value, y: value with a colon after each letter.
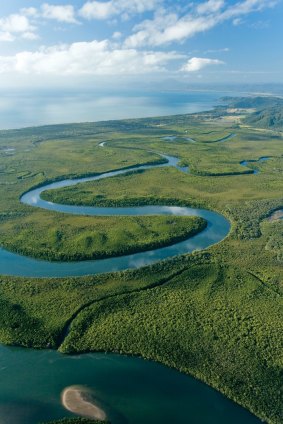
x: 268, y: 118
x: 258, y: 102
x: 268, y: 110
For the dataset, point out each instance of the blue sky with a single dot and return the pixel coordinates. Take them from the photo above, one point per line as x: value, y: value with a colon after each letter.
x: 137, y: 41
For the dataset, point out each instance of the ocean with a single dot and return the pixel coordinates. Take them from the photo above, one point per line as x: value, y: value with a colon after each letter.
x: 20, y: 109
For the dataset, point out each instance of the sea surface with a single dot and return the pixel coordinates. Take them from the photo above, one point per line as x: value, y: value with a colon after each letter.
x: 20, y: 109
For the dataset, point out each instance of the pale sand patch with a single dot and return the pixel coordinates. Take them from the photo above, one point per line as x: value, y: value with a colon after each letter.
x: 78, y: 400
x: 276, y: 215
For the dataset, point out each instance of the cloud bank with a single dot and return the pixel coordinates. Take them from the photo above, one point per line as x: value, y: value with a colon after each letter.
x: 87, y: 58
x: 108, y: 9
x: 141, y: 49
x: 166, y: 28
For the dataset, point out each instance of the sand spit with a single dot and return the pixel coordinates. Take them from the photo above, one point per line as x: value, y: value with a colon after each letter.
x: 78, y: 400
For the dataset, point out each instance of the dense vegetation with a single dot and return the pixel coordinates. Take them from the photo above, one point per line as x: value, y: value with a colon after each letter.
x: 274, y: 234
x: 253, y: 102
x: 30, y: 307
x: 207, y: 307
x: 267, y: 118
x: 215, y: 314
x: 74, y: 238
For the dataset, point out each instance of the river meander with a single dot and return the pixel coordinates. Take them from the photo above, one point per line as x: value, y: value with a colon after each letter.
x: 14, y: 264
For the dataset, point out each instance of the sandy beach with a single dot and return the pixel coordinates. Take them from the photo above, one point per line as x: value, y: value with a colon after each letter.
x: 78, y: 400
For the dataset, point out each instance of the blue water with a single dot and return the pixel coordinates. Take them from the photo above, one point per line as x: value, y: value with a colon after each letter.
x: 30, y: 108
x: 130, y: 390
x: 246, y: 163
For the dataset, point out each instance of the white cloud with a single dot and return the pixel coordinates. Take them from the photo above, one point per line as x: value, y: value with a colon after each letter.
x: 247, y: 6
x: 237, y: 21
x: 61, y: 13
x: 224, y: 50
x: 6, y: 36
x: 30, y: 36
x: 169, y: 27
x: 117, y: 35
x: 105, y: 10
x: 97, y: 10
x: 166, y: 28
x: 197, y: 63
x: 16, y: 25
x: 87, y: 58
x: 210, y: 6
x: 29, y: 11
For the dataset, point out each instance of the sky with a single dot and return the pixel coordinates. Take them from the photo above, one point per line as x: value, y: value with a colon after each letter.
x: 132, y: 42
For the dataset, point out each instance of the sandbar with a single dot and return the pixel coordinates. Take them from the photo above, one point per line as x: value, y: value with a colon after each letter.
x: 78, y: 400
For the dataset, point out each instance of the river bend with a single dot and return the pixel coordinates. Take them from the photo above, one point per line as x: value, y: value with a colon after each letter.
x: 14, y: 264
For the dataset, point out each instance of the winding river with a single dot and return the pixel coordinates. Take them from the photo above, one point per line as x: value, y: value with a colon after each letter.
x: 216, y: 230
x: 254, y: 161
x: 130, y: 390
x: 170, y: 138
